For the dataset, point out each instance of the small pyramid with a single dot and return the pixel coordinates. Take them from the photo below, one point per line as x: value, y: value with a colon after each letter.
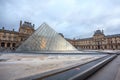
x: 45, y: 39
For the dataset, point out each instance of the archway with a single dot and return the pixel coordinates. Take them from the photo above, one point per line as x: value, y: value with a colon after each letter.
x: 13, y: 45
x: 8, y: 44
x: 2, y: 44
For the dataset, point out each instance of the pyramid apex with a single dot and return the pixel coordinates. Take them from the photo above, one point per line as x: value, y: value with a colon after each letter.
x: 44, y: 23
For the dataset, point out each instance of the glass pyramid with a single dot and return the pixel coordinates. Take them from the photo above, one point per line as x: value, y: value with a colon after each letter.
x: 45, y: 39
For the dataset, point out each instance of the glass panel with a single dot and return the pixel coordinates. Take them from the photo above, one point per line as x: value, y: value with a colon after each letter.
x: 45, y: 38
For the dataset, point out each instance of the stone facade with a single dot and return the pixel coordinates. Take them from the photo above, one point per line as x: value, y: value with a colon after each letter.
x: 10, y: 40
x: 98, y: 41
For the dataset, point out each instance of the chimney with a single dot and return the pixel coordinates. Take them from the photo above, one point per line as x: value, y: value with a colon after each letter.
x: 13, y: 30
x: 20, y: 23
x: 33, y: 25
x: 102, y: 31
x: 3, y: 28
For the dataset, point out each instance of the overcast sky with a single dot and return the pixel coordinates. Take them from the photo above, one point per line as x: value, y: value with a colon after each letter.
x: 73, y: 18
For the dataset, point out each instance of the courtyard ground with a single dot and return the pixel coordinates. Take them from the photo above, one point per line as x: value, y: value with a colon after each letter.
x: 14, y: 66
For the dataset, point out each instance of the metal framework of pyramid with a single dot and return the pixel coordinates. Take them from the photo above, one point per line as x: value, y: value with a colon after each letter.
x: 45, y: 39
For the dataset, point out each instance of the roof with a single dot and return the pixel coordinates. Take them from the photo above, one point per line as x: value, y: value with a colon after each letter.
x: 97, y: 32
x: 85, y: 38
x: 28, y: 24
x: 114, y: 35
x: 8, y: 31
x: 69, y: 39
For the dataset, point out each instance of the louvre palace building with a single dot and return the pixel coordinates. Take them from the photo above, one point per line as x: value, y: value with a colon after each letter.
x: 98, y: 41
x: 11, y: 39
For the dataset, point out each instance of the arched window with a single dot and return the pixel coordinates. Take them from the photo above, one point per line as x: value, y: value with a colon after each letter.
x: 2, y: 44
x: 13, y: 45
x: 21, y: 39
x: 8, y: 44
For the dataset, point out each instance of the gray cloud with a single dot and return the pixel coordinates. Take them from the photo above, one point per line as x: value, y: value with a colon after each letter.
x: 73, y: 18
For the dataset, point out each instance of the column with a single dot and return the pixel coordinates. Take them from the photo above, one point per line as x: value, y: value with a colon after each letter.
x: 5, y: 45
